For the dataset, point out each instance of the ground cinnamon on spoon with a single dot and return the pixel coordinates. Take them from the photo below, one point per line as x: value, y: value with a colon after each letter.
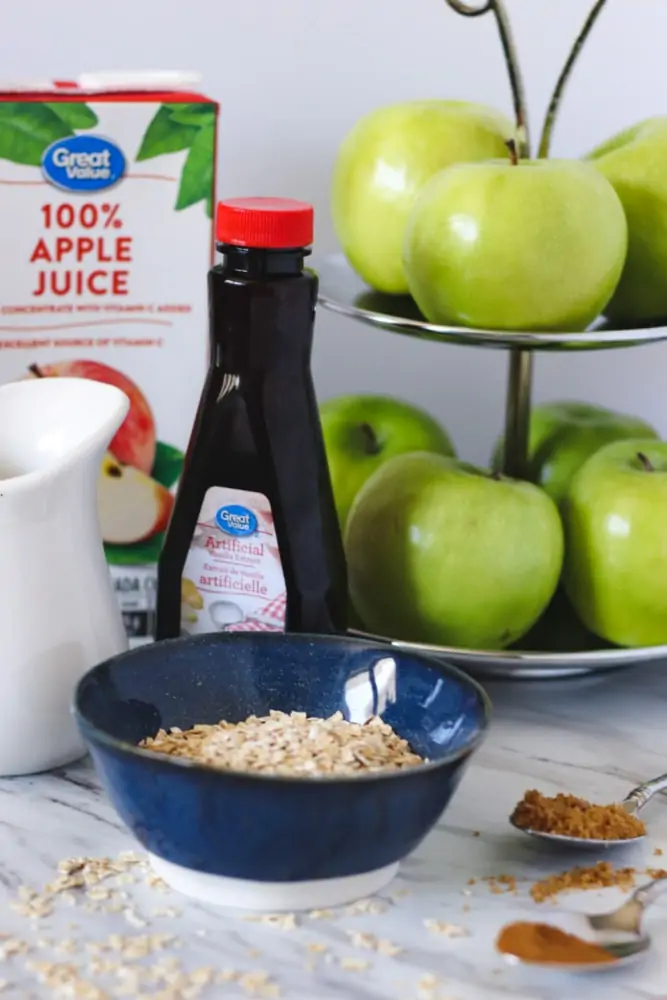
x: 569, y: 816
x: 543, y: 943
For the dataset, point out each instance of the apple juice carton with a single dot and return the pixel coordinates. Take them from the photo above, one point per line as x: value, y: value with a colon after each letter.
x: 106, y: 194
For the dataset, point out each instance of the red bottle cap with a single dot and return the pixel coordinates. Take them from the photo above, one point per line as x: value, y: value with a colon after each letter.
x: 264, y: 223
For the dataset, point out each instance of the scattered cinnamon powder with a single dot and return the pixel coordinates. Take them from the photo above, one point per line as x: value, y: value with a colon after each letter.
x: 544, y: 943
x: 569, y: 816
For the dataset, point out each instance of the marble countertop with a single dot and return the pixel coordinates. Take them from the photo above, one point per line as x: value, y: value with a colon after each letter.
x: 596, y: 736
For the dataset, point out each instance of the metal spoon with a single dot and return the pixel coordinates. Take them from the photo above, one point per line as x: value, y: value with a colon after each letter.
x: 619, y: 932
x: 632, y: 804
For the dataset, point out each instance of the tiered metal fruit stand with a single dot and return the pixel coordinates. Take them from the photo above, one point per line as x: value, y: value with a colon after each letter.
x: 569, y: 649
x: 341, y: 291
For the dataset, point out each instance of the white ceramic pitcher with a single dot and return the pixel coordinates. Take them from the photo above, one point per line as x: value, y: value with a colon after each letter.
x: 58, y: 613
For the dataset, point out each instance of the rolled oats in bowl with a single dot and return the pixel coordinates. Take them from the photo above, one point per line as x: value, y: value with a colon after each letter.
x: 292, y: 744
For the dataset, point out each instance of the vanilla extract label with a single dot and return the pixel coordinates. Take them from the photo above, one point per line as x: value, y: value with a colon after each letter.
x: 233, y: 579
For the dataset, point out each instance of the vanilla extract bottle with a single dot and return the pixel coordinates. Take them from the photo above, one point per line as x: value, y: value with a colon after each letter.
x: 254, y: 542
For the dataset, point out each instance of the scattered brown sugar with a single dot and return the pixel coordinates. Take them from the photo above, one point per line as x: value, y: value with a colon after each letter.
x: 658, y: 852
x: 598, y: 876
x: 292, y: 744
x: 569, y: 816
x: 499, y: 884
x: 550, y: 945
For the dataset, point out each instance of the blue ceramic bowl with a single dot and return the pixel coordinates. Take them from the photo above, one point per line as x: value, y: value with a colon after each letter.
x: 264, y: 841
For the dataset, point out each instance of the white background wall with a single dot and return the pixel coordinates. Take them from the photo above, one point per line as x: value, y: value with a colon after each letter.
x: 294, y: 75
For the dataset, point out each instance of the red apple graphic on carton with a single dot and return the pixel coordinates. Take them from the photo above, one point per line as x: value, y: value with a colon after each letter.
x: 135, y: 442
x: 132, y: 506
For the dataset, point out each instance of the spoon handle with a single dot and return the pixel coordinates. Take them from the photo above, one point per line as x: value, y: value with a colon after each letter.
x: 650, y: 892
x: 639, y: 796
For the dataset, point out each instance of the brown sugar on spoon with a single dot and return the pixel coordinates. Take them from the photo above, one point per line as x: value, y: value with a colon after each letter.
x: 570, y: 816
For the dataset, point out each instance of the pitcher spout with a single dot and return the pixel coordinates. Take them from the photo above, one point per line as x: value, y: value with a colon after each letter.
x: 47, y: 424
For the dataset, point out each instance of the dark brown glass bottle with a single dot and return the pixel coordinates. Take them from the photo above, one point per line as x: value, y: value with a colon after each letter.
x: 254, y: 542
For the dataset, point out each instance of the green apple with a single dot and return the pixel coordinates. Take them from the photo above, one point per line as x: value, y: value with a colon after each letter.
x: 563, y: 435
x: 362, y: 432
x: 381, y: 166
x: 531, y: 245
x: 440, y: 551
x: 615, y: 570
x: 634, y: 162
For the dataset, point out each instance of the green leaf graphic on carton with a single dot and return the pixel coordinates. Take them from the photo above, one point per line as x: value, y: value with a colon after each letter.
x: 27, y: 128
x: 163, y: 135
x: 197, y: 174
x: 192, y: 114
x: 166, y: 470
x: 174, y: 128
x: 74, y: 114
x: 167, y: 465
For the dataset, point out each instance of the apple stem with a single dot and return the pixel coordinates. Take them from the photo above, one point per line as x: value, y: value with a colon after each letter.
x: 371, y: 443
x: 646, y: 462
x: 36, y: 370
x: 511, y: 62
x: 566, y: 72
x: 514, y: 156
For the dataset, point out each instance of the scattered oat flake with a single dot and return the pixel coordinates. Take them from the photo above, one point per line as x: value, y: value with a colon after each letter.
x: 13, y: 946
x: 370, y: 942
x: 317, y: 947
x: 64, y: 980
x: 258, y: 984
x: 385, y: 947
x: 444, y: 928
x: 427, y: 986
x: 283, y: 921
x: 354, y: 964
x: 366, y: 906
x: 69, y: 945
x: 321, y: 914
x: 156, y: 882
x: 133, y: 918
x: 361, y: 939
x: 227, y: 976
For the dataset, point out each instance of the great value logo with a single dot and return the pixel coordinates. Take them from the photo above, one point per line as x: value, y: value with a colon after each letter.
x: 83, y: 163
x: 236, y: 520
